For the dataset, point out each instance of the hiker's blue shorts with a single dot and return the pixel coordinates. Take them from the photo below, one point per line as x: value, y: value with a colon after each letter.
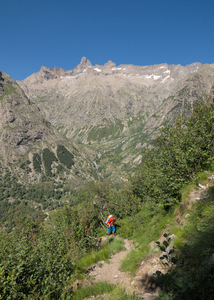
x: 112, y: 227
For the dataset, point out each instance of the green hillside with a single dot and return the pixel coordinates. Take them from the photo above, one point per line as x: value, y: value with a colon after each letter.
x: 41, y: 259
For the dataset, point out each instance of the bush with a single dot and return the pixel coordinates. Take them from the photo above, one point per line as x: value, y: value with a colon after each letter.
x: 192, y: 277
x: 180, y: 152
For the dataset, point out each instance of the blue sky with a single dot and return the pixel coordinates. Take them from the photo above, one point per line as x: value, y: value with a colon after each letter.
x: 35, y: 33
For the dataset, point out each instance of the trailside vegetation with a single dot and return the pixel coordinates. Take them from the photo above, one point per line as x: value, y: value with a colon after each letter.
x: 36, y: 262
x: 38, y: 259
x: 190, y: 276
x: 179, y: 153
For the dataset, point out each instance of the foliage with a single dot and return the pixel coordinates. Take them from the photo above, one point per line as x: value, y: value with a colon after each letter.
x: 180, y: 152
x: 65, y: 157
x: 192, y: 277
x: 110, y: 247
x: 109, y: 200
x: 48, y: 159
x: 107, y: 131
x: 99, y: 288
x: 37, y: 261
x: 92, y: 290
x: 146, y: 227
x: 37, y: 162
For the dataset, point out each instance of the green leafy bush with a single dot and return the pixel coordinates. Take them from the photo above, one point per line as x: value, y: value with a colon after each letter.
x: 37, y: 261
x: 179, y: 153
x: 193, y: 275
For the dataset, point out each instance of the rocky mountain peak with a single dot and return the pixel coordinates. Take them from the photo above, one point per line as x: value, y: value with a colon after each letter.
x: 45, y: 69
x: 47, y: 73
x: 109, y: 64
x: 84, y: 63
x: 59, y: 71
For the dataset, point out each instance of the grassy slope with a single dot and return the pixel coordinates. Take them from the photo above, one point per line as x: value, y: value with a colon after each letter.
x: 148, y: 225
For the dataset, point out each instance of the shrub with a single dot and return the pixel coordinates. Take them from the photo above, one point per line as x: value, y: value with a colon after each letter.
x: 180, y: 152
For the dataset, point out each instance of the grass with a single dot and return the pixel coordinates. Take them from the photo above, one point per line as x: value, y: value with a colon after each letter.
x: 97, y: 288
x: 148, y: 225
x: 112, y: 246
x: 192, y: 278
x: 111, y: 291
x: 147, y: 229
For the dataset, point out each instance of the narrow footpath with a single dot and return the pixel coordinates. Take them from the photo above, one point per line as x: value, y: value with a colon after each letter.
x: 110, y: 271
x: 141, y: 284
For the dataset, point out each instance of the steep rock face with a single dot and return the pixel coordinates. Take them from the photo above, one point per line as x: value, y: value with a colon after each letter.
x: 83, y: 101
x: 24, y: 132
x: 118, y: 110
x: 21, y: 124
x: 194, y: 87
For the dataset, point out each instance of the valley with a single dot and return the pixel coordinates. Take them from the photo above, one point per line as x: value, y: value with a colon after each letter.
x: 117, y: 111
x: 79, y: 145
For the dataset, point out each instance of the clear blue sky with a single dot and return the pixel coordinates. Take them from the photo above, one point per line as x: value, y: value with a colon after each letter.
x: 59, y: 33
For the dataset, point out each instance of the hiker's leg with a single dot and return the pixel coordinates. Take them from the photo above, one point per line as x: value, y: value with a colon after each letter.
x: 108, y: 231
x: 113, y: 228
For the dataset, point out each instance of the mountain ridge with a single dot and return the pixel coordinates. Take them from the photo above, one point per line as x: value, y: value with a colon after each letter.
x: 112, y: 90
x: 117, y: 110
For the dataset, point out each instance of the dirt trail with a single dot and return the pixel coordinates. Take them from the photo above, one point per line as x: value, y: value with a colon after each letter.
x: 110, y: 271
x: 142, y: 284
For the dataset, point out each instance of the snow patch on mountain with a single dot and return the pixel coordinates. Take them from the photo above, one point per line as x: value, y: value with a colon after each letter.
x: 165, y: 79
x: 154, y: 77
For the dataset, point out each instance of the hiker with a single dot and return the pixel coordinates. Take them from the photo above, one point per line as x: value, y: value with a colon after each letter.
x: 110, y: 222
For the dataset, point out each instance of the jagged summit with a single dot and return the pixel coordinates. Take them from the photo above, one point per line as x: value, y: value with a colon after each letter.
x: 85, y: 62
x: 109, y: 64
x: 93, y: 95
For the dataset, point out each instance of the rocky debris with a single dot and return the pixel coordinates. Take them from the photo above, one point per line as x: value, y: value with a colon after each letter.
x: 203, y: 186
x: 110, y: 271
x: 153, y: 247
x: 148, y: 296
x: 144, y: 283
